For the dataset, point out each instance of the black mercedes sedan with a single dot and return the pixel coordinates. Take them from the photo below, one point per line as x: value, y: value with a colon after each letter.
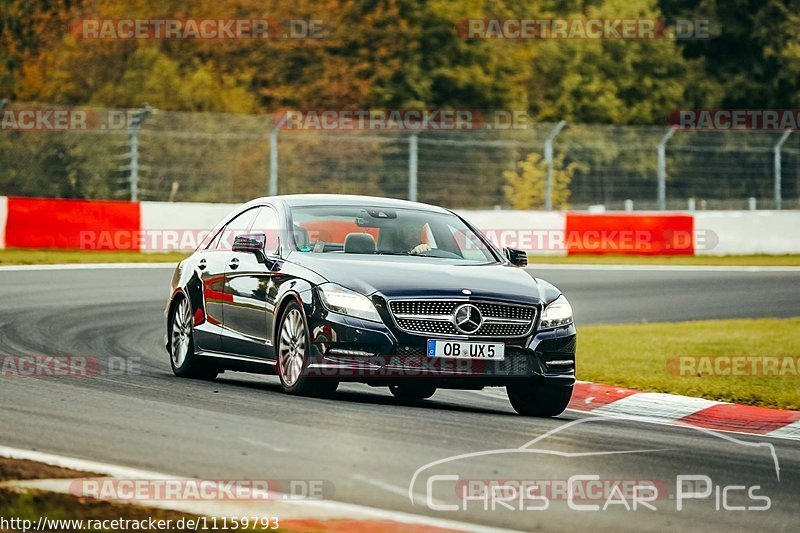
x: 324, y: 289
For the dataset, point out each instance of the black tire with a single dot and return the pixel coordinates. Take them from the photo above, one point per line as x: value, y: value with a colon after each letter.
x: 182, y: 358
x: 293, y: 349
x: 536, y: 399
x: 412, y: 392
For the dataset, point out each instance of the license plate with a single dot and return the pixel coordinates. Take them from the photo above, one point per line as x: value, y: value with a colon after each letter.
x: 466, y: 350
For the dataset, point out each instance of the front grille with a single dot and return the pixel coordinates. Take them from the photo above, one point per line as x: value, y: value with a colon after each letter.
x: 435, y: 317
x: 427, y: 326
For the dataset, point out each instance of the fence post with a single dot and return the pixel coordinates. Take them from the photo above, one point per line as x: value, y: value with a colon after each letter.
x: 776, y: 156
x: 273, y: 157
x: 412, y: 167
x: 662, y: 169
x: 548, y: 159
x: 133, y: 151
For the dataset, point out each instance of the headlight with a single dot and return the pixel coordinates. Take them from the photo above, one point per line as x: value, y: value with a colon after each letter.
x: 558, y: 313
x: 340, y: 300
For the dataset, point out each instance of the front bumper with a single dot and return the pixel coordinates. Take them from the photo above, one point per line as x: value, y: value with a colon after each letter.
x: 351, y: 349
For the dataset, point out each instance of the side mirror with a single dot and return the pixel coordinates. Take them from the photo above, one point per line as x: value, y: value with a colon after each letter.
x: 516, y: 257
x: 252, y: 242
x: 256, y: 243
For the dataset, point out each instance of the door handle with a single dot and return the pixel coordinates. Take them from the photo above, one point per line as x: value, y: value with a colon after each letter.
x: 234, y: 264
x: 202, y: 264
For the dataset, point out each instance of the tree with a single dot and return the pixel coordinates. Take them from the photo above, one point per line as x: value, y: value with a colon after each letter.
x: 526, y: 184
x: 610, y: 81
x: 752, y: 54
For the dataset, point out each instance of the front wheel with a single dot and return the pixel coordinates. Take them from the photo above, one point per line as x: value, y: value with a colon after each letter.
x: 293, y: 350
x: 535, y: 399
x: 184, y: 362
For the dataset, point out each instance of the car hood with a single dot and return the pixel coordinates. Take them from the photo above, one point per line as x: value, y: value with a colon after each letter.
x: 398, y: 276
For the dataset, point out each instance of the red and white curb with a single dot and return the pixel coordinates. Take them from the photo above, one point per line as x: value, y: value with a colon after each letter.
x: 293, y: 514
x: 678, y: 410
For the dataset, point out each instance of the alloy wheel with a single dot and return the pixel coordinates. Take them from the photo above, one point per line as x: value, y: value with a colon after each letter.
x: 181, y: 333
x: 292, y: 347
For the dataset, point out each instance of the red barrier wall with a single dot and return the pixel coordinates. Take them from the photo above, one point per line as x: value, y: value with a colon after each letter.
x: 72, y: 224
x: 641, y: 234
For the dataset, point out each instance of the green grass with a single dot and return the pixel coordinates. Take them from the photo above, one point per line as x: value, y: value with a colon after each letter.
x: 726, y: 260
x: 25, y: 504
x: 17, y: 256
x: 636, y: 356
x: 30, y: 505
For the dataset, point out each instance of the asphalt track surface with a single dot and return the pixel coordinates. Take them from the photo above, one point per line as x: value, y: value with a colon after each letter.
x: 364, y: 446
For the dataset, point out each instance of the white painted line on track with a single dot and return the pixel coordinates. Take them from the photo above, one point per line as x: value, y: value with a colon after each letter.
x: 394, y: 489
x: 80, y: 465
x: 86, y: 266
x: 286, y: 509
x: 388, y: 487
x: 663, y: 268
x: 262, y: 444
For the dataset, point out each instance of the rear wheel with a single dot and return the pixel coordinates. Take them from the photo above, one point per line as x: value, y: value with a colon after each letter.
x: 532, y: 399
x: 293, y: 350
x: 412, y: 392
x: 183, y: 360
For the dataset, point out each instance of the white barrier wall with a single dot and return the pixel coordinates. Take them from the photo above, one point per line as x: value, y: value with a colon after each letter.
x: 748, y: 232
x: 178, y: 225
x: 168, y: 225
x: 3, y: 218
x: 719, y: 232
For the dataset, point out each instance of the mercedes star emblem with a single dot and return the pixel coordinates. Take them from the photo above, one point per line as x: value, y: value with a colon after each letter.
x: 467, y: 318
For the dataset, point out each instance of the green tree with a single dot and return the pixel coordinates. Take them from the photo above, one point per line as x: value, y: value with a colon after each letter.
x: 752, y: 54
x: 610, y: 81
x: 526, y: 184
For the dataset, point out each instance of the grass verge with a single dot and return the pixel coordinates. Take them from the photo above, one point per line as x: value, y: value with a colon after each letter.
x: 696, y: 260
x: 29, y: 505
x: 16, y: 256
x: 22, y: 469
x: 638, y: 356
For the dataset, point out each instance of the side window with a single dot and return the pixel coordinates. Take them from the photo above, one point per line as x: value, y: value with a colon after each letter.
x: 467, y: 245
x: 238, y: 226
x: 214, y: 241
x: 266, y: 222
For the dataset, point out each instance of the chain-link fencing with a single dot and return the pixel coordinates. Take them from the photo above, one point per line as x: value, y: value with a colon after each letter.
x: 209, y: 157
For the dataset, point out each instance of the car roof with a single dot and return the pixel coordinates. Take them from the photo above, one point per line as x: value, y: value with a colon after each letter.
x: 293, y: 200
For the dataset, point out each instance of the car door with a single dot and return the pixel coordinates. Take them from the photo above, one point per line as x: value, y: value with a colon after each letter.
x: 248, y: 284
x: 211, y: 263
x: 211, y: 272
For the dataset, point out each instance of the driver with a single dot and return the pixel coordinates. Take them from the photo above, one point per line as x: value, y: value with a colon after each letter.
x: 409, y: 236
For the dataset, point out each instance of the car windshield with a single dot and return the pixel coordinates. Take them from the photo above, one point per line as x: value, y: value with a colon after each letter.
x: 386, y: 231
